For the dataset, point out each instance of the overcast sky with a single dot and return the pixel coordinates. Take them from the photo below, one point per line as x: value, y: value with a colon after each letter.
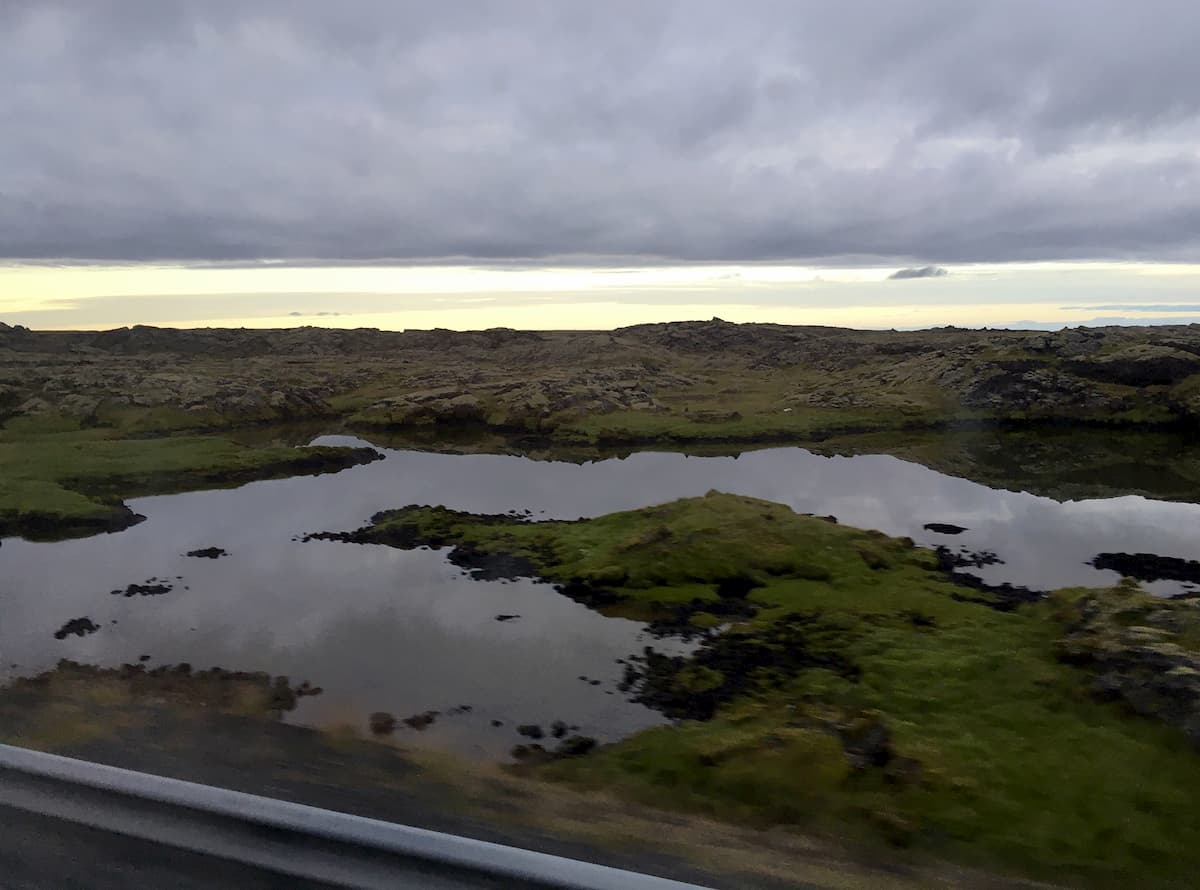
x: 862, y: 132
x: 932, y: 130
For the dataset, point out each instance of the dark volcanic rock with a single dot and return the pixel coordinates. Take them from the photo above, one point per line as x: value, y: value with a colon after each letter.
x: 1002, y: 597
x: 1149, y: 566
x: 1141, y: 650
x: 964, y: 558
x: 736, y: 661
x: 575, y: 746
x: 1140, y: 365
x: 530, y: 730
x: 382, y: 723
x: 208, y: 553
x: 866, y: 740
x: 421, y: 721
x: 944, y: 528
x: 151, y: 587
x: 1037, y: 389
x: 484, y: 566
x: 76, y: 627
x: 530, y: 753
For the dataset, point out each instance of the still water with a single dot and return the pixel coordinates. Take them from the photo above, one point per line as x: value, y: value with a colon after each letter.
x: 406, y: 632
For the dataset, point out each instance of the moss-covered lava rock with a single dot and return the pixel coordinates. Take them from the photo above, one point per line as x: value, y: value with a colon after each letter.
x: 843, y: 681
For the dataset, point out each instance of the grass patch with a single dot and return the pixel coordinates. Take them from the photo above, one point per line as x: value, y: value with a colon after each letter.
x: 71, y: 482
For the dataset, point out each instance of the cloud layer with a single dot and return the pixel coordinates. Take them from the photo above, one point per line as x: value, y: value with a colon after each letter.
x: 922, y: 132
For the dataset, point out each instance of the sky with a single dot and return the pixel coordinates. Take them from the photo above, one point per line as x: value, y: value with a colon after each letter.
x: 578, y: 164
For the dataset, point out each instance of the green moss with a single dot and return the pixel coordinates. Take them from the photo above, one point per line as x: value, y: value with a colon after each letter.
x: 858, y: 696
x: 60, y: 484
x: 712, y: 548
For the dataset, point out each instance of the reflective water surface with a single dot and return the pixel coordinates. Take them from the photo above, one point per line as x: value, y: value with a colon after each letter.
x: 406, y: 632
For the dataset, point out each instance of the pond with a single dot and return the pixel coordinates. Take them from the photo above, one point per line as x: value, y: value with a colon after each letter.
x: 406, y: 632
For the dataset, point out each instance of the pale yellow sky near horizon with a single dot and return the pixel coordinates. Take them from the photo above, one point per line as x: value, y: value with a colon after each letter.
x: 464, y: 297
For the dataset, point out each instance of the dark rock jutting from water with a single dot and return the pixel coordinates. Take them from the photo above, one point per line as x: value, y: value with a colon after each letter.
x: 1002, y: 597
x: 208, y: 553
x: 76, y: 627
x: 382, y: 723
x: 421, y: 721
x: 150, y: 587
x: 1149, y: 566
x: 944, y: 528
x: 575, y: 746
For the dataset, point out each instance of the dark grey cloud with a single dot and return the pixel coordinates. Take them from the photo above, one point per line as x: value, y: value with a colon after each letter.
x: 231, y: 130
x: 919, y: 272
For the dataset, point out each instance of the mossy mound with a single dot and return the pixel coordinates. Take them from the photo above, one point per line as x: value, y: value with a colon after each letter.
x: 844, y: 683
x: 697, y: 555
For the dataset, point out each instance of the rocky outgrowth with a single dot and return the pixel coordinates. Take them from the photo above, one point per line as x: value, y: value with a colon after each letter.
x: 1142, y: 651
x: 524, y: 403
x: 1038, y: 389
x: 1142, y: 364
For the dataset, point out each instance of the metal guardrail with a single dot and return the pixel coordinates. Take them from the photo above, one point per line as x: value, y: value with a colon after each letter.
x: 286, y: 838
